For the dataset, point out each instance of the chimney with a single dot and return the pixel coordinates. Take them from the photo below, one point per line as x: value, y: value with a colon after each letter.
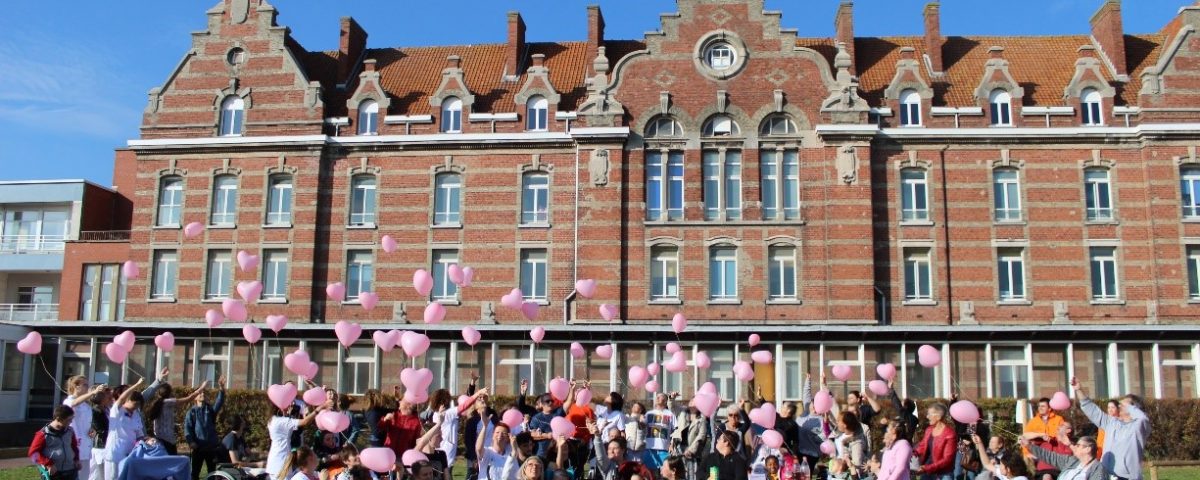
x: 1108, y: 32
x: 843, y: 25
x: 352, y: 44
x: 516, y: 44
x: 595, y: 38
x: 933, y: 36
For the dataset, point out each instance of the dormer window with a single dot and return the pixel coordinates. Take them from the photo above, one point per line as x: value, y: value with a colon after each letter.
x: 721, y: 126
x: 537, y: 113
x: 910, y: 108
x: 721, y: 56
x: 1001, y: 106
x: 1091, y: 104
x: 233, y: 116
x: 664, y: 127
x: 368, y: 118
x: 452, y: 115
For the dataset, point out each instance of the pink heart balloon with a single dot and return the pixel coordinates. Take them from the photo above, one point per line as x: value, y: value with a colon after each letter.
x: 514, y: 299
x: 394, y: 336
x: 707, y: 403
x: 529, y: 310
x: 651, y: 386
x: 604, y: 351
x: 679, y: 323
x: 764, y: 416
x: 577, y: 350
x: 434, y: 313
x: 822, y: 402
x: 886, y: 371
x: 192, y: 230
x: 743, y: 371
x: 772, y: 439
x: 841, y: 372
x: 250, y: 291
x: 677, y: 363
x: 251, y: 333
x: 468, y: 276
x: 537, y: 334
x: 878, y: 387
x: 1060, y: 401
x: 608, y: 312
x: 311, y: 371
x: 637, y: 376
x: 247, y: 261
x: 368, y: 300
x: 702, y: 360
x: 389, y: 244
x: 336, y: 291
x: 708, y: 387
x: 115, y: 353
x: 583, y: 398
x: 411, y: 457
x: 673, y: 347
x: 331, y: 421
x: 762, y: 357
x: 130, y: 270
x: 755, y: 340
x: 471, y: 336
x: 125, y: 340
x: 231, y: 309
x: 165, y: 341
x: 465, y: 402
x: 559, y: 388
x: 963, y: 411
x: 422, y: 282
x: 586, y: 287
x: 383, y: 340
x: 929, y: 356
x: 562, y: 428
x: 828, y: 448
x: 31, y: 344
x: 347, y: 332
x: 314, y: 396
x: 378, y: 459
x: 276, y: 322
x: 513, y: 418
x: 414, y: 344
x: 652, y: 368
x: 282, y: 396
x: 416, y: 379
x: 455, y: 273
x: 297, y: 362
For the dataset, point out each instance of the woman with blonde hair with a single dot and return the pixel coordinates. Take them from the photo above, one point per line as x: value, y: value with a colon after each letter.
x: 532, y: 469
x: 301, y: 464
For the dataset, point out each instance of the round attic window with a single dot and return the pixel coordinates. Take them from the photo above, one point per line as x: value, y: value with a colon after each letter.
x: 720, y: 54
x: 236, y: 57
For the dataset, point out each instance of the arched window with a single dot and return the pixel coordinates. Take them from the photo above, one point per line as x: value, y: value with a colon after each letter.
x: 778, y: 124
x: 1001, y: 105
x: 233, y: 116
x: 537, y: 114
x: 452, y: 115
x: 721, y: 126
x: 663, y: 127
x: 1091, y: 104
x: 368, y: 118
x: 910, y: 108
x: 170, y: 201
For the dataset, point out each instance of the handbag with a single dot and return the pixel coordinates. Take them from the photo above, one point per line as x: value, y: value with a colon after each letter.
x: 969, y: 455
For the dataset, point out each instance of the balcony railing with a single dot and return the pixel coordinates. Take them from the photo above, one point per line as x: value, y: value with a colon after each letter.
x: 32, y: 243
x: 105, y: 236
x: 24, y: 312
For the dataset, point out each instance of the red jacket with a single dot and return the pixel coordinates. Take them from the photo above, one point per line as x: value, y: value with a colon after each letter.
x: 945, y: 446
x: 57, y: 448
x: 401, y: 432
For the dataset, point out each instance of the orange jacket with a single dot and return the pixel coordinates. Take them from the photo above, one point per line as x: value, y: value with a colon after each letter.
x: 1047, y: 427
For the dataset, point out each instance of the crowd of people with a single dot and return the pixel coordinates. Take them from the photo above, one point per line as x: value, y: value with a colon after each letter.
x: 97, y: 427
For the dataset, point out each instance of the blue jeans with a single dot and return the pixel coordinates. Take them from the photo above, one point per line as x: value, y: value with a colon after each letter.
x: 937, y: 476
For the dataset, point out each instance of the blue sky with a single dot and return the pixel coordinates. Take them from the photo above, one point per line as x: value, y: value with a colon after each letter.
x: 73, y: 79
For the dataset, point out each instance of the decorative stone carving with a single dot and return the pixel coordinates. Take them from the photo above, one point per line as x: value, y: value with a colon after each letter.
x: 598, y: 167
x: 487, y: 314
x: 966, y: 313
x: 239, y: 11
x: 844, y: 104
x: 600, y: 109
x: 400, y: 312
x: 847, y: 164
x: 1062, y: 313
x: 996, y: 76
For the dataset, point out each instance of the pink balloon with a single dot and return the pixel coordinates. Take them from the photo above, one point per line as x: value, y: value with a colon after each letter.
x: 762, y: 357
x: 586, y: 287
x: 561, y: 427
x: 422, y: 282
x: 130, y: 270
x: 336, y: 291
x: 378, y: 459
x: 314, y: 396
x: 1060, y: 401
x: 465, y: 402
x: 559, y: 389
x: 677, y: 363
x: 311, y: 371
x: 652, y: 368
x: 842, y: 372
x: 963, y: 411
x: 250, y: 291
x: 455, y: 273
x: 276, y: 322
x: 513, y: 300
x: 604, y: 351
x: 417, y: 382
x: 31, y: 344
x: 297, y: 362
x: 347, y: 332
x: 125, y: 340
x: 708, y: 387
x: 513, y: 418
x: 673, y: 347
x: 383, y: 340
x: 583, y: 398
x: 608, y: 312
x: 413, y: 456
x: 247, y: 261
x: 822, y: 402
x: 192, y: 230
x: 537, y: 334
x: 389, y: 244
x: 679, y: 323
x: 416, y: 397
x: 471, y: 336
x: 115, y: 353
x: 234, y: 310
x: 827, y: 448
x: 707, y: 403
x: 368, y: 300
x: 755, y: 340
x: 764, y: 416
x: 530, y: 311
x: 702, y: 360
x: 772, y: 439
x: 886, y: 371
x: 414, y: 344
x: 577, y: 350
x: 282, y: 396
x: 251, y: 333
x: 165, y: 341
x: 434, y: 313
x: 878, y: 387
x: 637, y: 376
x: 331, y: 421
x: 468, y: 274
x: 652, y: 386
x: 929, y: 356
x: 743, y: 371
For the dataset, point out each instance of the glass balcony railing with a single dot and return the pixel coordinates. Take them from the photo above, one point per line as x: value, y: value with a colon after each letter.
x: 25, y: 312
x: 20, y: 244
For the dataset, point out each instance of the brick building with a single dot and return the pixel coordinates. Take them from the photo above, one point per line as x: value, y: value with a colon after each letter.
x: 1030, y: 205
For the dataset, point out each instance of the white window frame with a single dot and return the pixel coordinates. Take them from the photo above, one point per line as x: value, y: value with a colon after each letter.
x: 280, y: 197
x: 165, y: 274
x: 1097, y: 213
x: 780, y: 257
x: 361, y: 195
x: 781, y: 168
x: 220, y: 360
x: 539, y: 274
x: 1092, y: 105
x: 534, y: 212
x: 909, y: 191
x: 224, y: 201
x: 722, y: 172
x: 1192, y: 272
x: 1001, y: 108
x: 352, y: 362
x: 452, y: 115
x: 671, y: 187
x: 1007, y: 259
x: 218, y: 276
x: 1097, y: 254
x: 721, y: 56
x: 778, y: 125
x: 537, y: 112
x: 445, y: 290
x: 447, y: 187
x: 275, y: 262
x: 368, y: 117
x: 910, y: 108
x: 916, y: 256
x: 664, y: 259
x: 1019, y: 367
x: 170, y: 201
x: 664, y: 127
x: 360, y: 273
x: 1189, y: 188
x: 1007, y: 195
x: 233, y: 117
x: 720, y: 258
x: 721, y: 126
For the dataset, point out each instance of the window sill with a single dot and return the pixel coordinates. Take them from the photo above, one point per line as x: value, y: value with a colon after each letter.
x: 916, y: 223
x: 1191, y: 219
x: 919, y: 303
x: 1116, y: 302
x: 268, y: 226
x: 1101, y: 222
x: 785, y: 301
x: 534, y: 225
x: 351, y: 302
x: 166, y: 227
x: 160, y: 300
x: 725, y: 302
x: 448, y: 301
x: 222, y: 227
x: 678, y: 301
x: 365, y: 226
x: 718, y: 222
x: 1013, y: 303
x: 447, y: 226
x: 1009, y: 223
x: 273, y: 301
x: 216, y: 300
x: 541, y: 302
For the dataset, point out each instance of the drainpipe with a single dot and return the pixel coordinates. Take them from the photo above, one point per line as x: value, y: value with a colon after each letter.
x: 574, y: 245
x: 946, y: 234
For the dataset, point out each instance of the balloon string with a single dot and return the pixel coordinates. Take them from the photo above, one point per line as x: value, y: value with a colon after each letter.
x: 49, y: 375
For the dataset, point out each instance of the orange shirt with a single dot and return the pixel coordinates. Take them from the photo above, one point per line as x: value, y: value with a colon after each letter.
x: 1047, y: 427
x: 579, y: 416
